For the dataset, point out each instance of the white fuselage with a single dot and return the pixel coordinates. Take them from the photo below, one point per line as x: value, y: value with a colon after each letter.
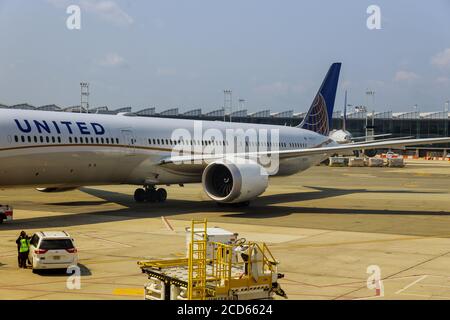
x: 59, y: 149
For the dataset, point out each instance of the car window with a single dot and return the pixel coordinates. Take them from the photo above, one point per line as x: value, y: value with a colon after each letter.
x: 55, y: 244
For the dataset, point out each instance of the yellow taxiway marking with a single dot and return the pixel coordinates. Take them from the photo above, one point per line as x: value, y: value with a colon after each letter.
x: 129, y: 291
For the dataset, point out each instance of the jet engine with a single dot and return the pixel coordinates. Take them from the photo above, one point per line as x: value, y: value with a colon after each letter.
x: 234, y: 181
x: 370, y: 153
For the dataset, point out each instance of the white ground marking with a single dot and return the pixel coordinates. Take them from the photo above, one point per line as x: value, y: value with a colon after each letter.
x: 411, y: 284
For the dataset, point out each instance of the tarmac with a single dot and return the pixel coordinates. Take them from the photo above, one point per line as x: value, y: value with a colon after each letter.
x: 326, y: 226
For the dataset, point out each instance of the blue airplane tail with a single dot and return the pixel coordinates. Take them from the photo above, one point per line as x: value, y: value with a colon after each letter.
x: 320, y: 114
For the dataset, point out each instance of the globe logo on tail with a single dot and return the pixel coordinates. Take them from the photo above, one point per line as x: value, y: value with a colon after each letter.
x: 317, y: 118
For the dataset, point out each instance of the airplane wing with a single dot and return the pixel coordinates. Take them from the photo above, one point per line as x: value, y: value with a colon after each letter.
x: 288, y: 154
x: 375, y: 136
x: 387, y: 139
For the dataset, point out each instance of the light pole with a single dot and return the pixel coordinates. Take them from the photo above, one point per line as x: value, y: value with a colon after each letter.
x: 446, y: 106
x: 417, y: 116
x: 370, y: 130
x: 84, y: 103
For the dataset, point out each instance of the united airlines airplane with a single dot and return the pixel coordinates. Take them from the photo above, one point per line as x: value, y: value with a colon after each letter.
x: 58, y: 151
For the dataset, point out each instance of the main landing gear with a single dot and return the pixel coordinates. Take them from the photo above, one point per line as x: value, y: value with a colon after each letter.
x: 150, y: 194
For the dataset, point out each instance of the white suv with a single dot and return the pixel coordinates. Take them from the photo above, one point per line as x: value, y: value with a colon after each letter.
x: 52, y: 250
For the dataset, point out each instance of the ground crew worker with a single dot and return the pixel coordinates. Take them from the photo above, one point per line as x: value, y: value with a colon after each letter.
x: 23, y: 243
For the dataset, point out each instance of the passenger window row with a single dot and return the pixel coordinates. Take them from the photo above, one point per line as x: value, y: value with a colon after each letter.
x: 170, y: 142
x: 53, y: 139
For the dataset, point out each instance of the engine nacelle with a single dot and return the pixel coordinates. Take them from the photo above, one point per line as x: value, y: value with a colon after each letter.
x: 230, y: 181
x: 370, y: 153
x: 56, y: 189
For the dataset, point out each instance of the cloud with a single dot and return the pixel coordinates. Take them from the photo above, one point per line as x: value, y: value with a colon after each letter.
x: 442, y: 80
x: 441, y: 59
x: 166, y: 72
x: 59, y: 3
x: 276, y: 88
x: 346, y: 84
x: 113, y: 60
x: 159, y: 23
x: 403, y: 75
x: 107, y: 10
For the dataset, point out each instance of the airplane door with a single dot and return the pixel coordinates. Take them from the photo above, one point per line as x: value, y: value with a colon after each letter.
x: 129, y: 140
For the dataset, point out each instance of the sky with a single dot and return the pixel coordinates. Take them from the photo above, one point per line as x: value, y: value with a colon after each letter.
x: 273, y: 54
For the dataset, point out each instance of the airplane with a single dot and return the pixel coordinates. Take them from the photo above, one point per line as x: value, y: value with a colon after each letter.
x: 59, y: 151
x: 343, y: 136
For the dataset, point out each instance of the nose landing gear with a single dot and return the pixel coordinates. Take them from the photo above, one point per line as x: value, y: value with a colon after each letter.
x: 150, y: 194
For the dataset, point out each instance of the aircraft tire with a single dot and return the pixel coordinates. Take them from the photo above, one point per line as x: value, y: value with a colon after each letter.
x: 161, y: 195
x: 151, y: 195
x: 139, y: 195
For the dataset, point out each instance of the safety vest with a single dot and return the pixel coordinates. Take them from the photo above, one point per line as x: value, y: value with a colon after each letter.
x: 23, y: 245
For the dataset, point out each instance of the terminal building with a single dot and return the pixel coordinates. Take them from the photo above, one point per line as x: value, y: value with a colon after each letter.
x: 400, y: 124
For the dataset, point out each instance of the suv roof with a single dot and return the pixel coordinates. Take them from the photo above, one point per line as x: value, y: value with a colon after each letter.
x: 53, y: 234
